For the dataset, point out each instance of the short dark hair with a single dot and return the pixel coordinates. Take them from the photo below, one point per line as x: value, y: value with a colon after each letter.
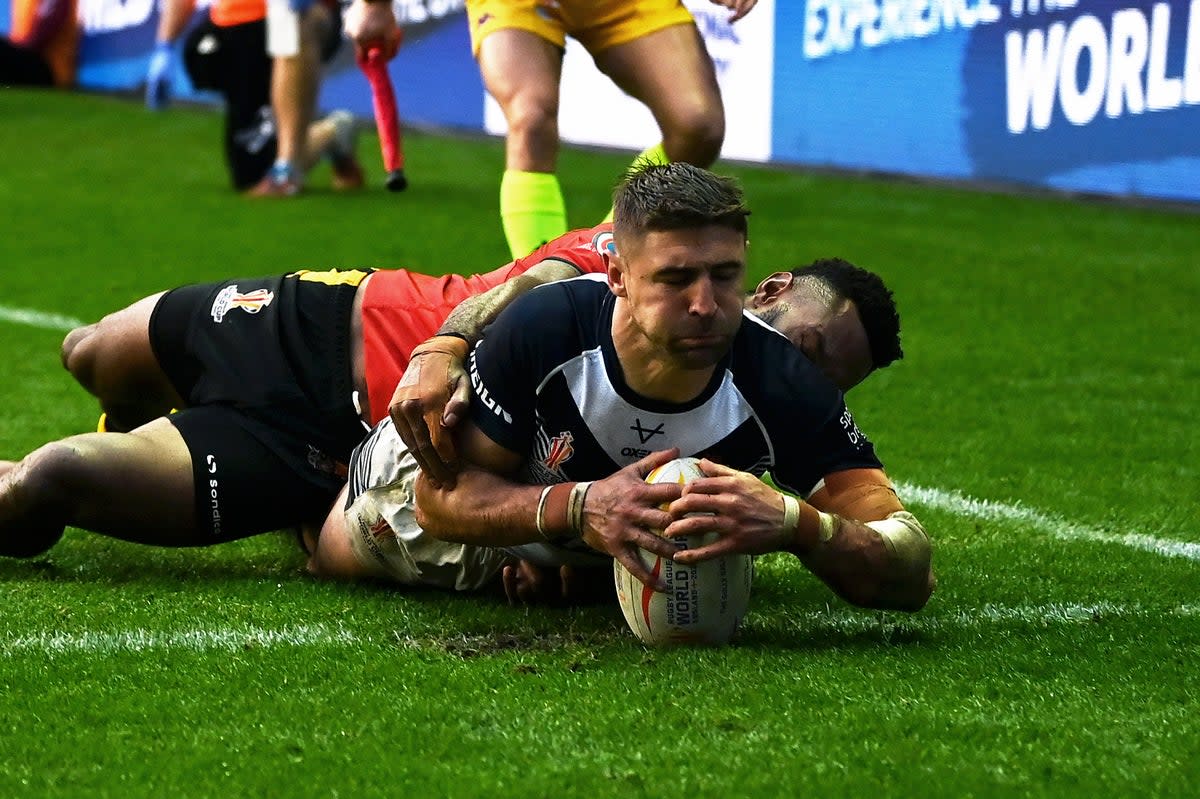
x: 874, y: 300
x: 675, y: 196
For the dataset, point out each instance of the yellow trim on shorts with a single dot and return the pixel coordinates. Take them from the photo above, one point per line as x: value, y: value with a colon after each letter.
x: 596, y: 24
x: 333, y: 277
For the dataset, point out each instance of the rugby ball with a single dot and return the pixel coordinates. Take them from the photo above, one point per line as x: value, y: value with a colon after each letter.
x: 705, y: 602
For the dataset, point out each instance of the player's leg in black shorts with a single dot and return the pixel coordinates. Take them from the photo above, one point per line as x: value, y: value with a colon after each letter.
x: 248, y: 477
x: 277, y: 351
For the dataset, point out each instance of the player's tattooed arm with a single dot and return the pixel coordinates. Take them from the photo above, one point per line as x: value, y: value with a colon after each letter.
x: 473, y: 314
x: 870, y: 550
x: 485, y: 507
x: 433, y: 395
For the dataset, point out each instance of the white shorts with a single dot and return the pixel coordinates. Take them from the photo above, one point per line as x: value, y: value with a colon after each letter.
x: 382, y: 527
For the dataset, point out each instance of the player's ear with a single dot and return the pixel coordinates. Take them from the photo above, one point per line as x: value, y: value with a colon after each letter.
x: 772, y: 288
x: 616, y: 275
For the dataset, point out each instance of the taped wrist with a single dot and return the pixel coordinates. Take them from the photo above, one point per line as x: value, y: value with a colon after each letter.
x: 453, y: 334
x: 446, y: 344
x: 806, y: 526
x: 560, y: 510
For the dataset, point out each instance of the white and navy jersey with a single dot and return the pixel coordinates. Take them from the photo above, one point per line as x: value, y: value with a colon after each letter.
x: 548, y: 386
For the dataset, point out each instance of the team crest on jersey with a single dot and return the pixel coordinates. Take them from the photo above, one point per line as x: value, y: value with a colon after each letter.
x: 380, y: 529
x: 230, y: 298
x: 603, y: 243
x: 373, y: 535
x: 559, y: 452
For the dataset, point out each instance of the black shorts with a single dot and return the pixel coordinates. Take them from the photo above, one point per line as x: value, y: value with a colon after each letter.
x: 251, y: 476
x: 233, y: 60
x: 264, y: 366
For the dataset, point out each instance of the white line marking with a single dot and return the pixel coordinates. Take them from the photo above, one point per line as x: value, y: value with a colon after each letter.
x: 46, y: 321
x: 847, y: 620
x: 141, y: 640
x: 841, y: 621
x: 1061, y: 528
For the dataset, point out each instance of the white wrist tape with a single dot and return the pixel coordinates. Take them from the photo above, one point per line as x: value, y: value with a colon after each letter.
x: 791, y: 514
x: 829, y: 525
x: 905, y: 539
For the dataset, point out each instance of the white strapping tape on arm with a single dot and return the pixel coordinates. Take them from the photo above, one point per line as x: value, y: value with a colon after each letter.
x: 905, y: 538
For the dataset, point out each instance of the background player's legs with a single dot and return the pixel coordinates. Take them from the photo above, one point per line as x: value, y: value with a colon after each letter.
x: 243, y: 76
x: 671, y: 72
x: 114, y: 361
x: 134, y: 486
x: 294, y: 83
x: 521, y: 71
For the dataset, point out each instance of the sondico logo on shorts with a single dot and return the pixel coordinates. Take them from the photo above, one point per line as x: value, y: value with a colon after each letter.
x: 214, y: 494
x: 230, y: 298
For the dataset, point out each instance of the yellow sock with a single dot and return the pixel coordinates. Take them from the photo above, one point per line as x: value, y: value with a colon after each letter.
x: 531, y: 210
x: 655, y: 155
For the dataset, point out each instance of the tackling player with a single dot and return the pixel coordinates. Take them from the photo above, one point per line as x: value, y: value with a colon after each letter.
x: 277, y: 378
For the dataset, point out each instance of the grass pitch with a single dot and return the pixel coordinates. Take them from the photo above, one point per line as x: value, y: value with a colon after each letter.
x: 1042, y: 424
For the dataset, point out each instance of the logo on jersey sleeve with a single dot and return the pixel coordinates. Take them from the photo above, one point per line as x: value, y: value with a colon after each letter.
x: 850, y: 427
x: 374, y: 535
x: 230, y: 298
x: 482, y: 395
x: 380, y: 529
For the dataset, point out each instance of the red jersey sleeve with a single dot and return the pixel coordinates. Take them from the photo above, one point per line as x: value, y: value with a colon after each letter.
x: 586, y: 249
x: 401, y: 308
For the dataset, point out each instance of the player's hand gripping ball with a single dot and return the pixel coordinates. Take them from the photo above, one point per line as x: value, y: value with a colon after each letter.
x: 705, y: 602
